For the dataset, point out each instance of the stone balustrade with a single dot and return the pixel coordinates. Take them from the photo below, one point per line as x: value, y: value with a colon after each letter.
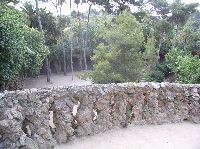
x: 42, y: 118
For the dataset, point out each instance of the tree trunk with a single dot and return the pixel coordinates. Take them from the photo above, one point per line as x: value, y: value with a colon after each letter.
x: 41, y: 30
x: 63, y: 49
x: 70, y: 5
x: 158, y: 51
x: 80, y: 62
x: 82, y: 46
x: 47, y: 69
x: 81, y: 39
x: 84, y: 52
x: 86, y: 38
x: 55, y: 62
x: 71, y: 46
x: 72, y: 68
x: 64, y: 55
x: 59, y: 66
x: 56, y: 4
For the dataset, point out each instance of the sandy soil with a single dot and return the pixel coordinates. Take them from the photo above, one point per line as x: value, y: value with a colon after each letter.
x: 56, y: 80
x: 168, y: 136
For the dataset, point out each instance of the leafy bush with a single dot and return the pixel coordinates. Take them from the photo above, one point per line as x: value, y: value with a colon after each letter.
x: 185, y: 66
x: 36, y: 51
x: 160, y: 73
x: 21, y: 48
x: 84, y: 75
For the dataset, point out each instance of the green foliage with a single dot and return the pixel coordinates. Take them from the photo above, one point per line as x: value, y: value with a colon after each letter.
x: 185, y: 66
x: 50, y: 28
x: 77, y: 28
x: 12, y: 42
x: 84, y: 75
x: 20, y: 46
x: 180, y: 61
x: 119, y: 58
x: 36, y: 51
x: 10, y: 1
x: 121, y: 4
x: 189, y: 37
x: 161, y: 7
x: 157, y: 76
x: 159, y: 73
x: 181, y: 11
x: 105, y: 59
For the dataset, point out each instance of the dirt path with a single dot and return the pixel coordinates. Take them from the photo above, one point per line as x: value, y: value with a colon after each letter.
x: 167, y: 136
x: 56, y: 80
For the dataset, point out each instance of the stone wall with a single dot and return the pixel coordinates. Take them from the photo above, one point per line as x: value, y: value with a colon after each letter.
x: 87, y: 110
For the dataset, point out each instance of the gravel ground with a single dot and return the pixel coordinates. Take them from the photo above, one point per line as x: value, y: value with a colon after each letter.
x: 56, y: 80
x: 168, y: 136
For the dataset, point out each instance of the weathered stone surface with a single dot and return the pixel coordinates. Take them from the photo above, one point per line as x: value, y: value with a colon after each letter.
x: 86, y: 110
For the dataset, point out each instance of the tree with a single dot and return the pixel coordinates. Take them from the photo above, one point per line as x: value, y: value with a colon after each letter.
x: 41, y: 30
x: 181, y: 12
x: 48, y: 21
x: 120, y: 58
x: 188, y: 38
x: 121, y: 4
x: 58, y: 5
x: 21, y: 48
x: 29, y: 10
x: 161, y: 7
x: 86, y: 37
x: 71, y: 54
x: 71, y: 46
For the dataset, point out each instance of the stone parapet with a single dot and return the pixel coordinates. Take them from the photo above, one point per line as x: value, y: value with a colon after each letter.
x: 42, y: 118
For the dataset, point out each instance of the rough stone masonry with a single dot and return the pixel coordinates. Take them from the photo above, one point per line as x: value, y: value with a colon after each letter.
x: 88, y: 110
